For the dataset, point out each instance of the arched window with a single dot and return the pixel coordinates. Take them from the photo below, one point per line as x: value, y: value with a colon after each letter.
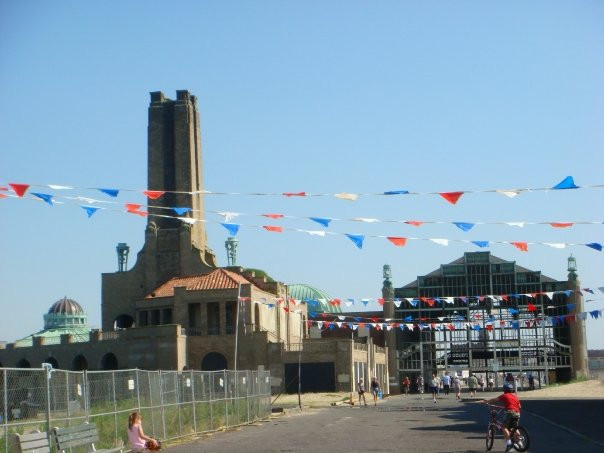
x: 123, y: 322
x: 79, y: 363
x: 23, y: 363
x: 52, y: 361
x: 109, y: 362
x: 213, y: 361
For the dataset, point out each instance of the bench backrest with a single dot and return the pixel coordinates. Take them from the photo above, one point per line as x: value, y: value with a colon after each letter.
x: 33, y: 443
x: 75, y: 436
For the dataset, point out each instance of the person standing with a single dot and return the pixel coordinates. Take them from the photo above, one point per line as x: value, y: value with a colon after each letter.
x: 481, y: 382
x: 446, y: 383
x: 361, y: 391
x: 406, y: 385
x: 531, y: 381
x: 375, y: 388
x: 434, y: 384
x: 491, y: 383
x: 420, y: 384
x: 457, y: 387
x: 472, y: 384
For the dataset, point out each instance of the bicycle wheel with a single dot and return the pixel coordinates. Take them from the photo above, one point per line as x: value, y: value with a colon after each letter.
x: 490, y: 437
x: 521, y: 439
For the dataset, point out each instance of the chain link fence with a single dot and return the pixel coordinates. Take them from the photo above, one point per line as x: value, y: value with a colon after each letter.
x: 173, y: 404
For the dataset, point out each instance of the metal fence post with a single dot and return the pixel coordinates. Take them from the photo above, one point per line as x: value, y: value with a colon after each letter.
x: 138, y: 392
x: 47, y: 373
x: 114, y: 408
x: 247, y: 395
x: 211, y: 385
x: 226, y: 401
x: 193, y: 400
x: 161, y: 399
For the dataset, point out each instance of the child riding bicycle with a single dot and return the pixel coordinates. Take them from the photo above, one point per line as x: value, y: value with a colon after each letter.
x: 512, y: 406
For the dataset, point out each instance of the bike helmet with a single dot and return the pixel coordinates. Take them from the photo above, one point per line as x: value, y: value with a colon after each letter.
x: 507, y: 387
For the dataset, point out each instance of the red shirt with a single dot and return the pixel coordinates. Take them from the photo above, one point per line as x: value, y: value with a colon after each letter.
x: 510, y: 402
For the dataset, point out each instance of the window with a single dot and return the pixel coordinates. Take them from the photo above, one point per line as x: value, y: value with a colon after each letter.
x: 143, y: 318
x: 213, y: 310
x: 231, y: 316
x: 167, y: 316
x: 154, y: 317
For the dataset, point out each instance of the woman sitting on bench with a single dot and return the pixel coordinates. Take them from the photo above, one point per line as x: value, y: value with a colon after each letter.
x: 138, y: 440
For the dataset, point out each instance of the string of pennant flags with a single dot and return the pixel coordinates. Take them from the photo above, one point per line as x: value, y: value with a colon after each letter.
x: 476, y: 321
x: 357, y: 239
x: 228, y: 216
x: 451, y: 197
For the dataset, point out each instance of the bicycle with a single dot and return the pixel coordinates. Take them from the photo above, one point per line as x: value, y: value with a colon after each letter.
x: 518, y: 434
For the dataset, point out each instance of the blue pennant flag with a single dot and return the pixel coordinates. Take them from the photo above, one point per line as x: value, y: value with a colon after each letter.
x: 271, y: 305
x: 232, y: 228
x: 365, y: 302
x: 89, y: 210
x: 357, y: 319
x: 464, y: 299
x: 357, y: 239
x: 568, y: 292
x: 408, y: 318
x: 110, y: 192
x: 312, y: 314
x: 464, y: 226
x: 513, y: 311
x: 481, y: 244
x: 595, y: 314
x: 595, y: 246
x: 413, y: 302
x: 476, y: 326
x: 396, y: 192
x: 321, y: 221
x: 570, y: 307
x: 181, y: 211
x: 332, y: 326
x: 566, y: 183
x: 515, y: 324
x: 312, y: 302
x: 44, y: 196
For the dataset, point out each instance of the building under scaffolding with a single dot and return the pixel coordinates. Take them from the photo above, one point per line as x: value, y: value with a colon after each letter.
x: 489, y: 316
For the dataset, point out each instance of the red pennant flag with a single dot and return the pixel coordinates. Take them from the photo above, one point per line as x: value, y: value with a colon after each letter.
x: 335, y: 302
x: 433, y: 325
x: 154, y: 194
x: 489, y: 327
x: 132, y: 207
x: 570, y: 318
x: 276, y: 229
x: 505, y: 297
x: 451, y: 327
x: 3, y: 196
x: 380, y: 301
x: 523, y: 246
x: 378, y: 327
x: 414, y: 223
x: 561, y: 225
x: 374, y: 319
x: 285, y: 309
x: 292, y: 301
x: 430, y: 302
x: 502, y: 323
x: 399, y: 242
x: 294, y: 194
x: 19, y: 189
x: 273, y: 216
x: 308, y: 324
x: 140, y: 213
x: 4, y: 188
x: 451, y: 197
x: 531, y: 307
x: 324, y: 315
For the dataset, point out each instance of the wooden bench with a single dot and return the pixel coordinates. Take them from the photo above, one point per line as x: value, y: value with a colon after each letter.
x: 77, y: 436
x: 33, y: 443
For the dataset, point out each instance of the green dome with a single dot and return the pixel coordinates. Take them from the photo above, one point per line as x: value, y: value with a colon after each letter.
x: 301, y: 291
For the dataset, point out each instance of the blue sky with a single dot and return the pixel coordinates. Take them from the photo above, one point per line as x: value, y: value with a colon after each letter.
x: 304, y: 96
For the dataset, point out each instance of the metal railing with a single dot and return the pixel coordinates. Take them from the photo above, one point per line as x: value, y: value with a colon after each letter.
x: 173, y: 404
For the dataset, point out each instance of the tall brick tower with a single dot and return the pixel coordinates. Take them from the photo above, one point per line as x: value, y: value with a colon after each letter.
x: 172, y: 247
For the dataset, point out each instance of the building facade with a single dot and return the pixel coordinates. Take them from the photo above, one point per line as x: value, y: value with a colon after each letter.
x: 486, y: 315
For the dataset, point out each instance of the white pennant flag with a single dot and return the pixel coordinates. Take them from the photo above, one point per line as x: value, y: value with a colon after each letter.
x: 550, y: 295
x: 388, y: 327
x: 228, y: 216
x: 339, y: 324
x: 555, y: 245
x: 409, y: 326
x: 348, y: 303
x: 516, y: 224
x: 56, y: 187
x: 441, y: 318
x: 347, y: 196
x: 355, y: 326
x: 397, y: 303
x: 188, y: 220
x: 449, y: 300
x: 319, y: 324
x: 314, y: 232
x: 444, y: 242
x: 341, y: 318
x: 362, y: 219
x: 509, y: 193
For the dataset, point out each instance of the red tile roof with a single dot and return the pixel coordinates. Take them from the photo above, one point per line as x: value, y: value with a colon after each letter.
x: 218, y: 279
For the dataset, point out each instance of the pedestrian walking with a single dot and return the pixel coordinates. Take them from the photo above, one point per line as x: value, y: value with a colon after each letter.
x: 434, y: 384
x: 375, y: 388
x: 481, y: 382
x: 472, y: 384
x: 491, y: 383
x: 457, y: 387
x: 446, y: 383
x: 361, y: 391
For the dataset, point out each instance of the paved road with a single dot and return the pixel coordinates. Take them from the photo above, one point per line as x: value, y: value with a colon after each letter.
x: 412, y: 423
